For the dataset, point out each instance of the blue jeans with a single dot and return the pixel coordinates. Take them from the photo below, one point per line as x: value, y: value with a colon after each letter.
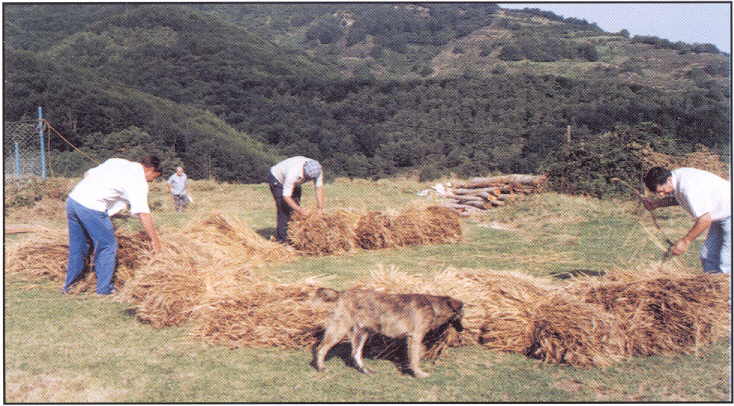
x: 716, y: 251
x: 283, y: 210
x: 90, y: 230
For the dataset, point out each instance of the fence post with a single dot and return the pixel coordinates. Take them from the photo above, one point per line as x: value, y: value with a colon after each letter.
x: 17, y: 162
x: 43, y: 154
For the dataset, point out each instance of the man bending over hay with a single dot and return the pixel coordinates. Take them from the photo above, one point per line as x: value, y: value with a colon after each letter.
x: 285, y: 182
x: 707, y: 197
x: 104, y: 191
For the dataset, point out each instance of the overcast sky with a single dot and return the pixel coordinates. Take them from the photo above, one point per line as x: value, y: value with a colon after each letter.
x: 693, y: 22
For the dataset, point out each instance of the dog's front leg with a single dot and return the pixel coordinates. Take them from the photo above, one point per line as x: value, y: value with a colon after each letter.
x: 415, y: 350
x: 358, y: 340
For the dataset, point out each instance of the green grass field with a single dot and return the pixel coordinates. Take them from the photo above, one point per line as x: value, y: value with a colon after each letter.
x: 83, y: 348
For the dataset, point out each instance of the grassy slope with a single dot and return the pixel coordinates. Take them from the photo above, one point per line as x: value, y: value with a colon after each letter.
x: 87, y: 349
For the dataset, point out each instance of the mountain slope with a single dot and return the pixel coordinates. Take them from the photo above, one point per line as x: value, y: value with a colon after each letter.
x: 368, y: 89
x: 177, y: 53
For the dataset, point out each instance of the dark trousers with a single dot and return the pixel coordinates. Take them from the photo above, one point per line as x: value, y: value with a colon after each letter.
x: 283, y: 210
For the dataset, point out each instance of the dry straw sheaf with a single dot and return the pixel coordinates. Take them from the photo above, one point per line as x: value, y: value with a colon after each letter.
x: 263, y: 314
x: 210, y: 255
x: 45, y: 254
x: 344, y: 230
x: 585, y: 322
x: 206, y: 277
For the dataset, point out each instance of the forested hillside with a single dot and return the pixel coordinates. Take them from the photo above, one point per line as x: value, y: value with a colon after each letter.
x: 369, y: 89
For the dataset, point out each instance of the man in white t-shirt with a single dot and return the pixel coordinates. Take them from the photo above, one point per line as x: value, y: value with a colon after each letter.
x: 177, y: 185
x: 104, y: 191
x: 706, y: 197
x: 285, y: 181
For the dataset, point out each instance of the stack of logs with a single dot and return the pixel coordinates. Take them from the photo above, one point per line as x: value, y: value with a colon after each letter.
x: 486, y: 193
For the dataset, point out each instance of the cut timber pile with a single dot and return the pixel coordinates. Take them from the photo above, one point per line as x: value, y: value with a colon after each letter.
x: 480, y: 194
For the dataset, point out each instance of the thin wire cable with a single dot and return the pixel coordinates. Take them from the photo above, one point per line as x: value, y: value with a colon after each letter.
x: 49, y: 126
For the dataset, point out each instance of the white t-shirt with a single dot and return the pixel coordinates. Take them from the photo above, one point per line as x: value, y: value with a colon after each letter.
x: 289, y: 172
x: 115, y: 182
x: 178, y: 183
x: 700, y: 192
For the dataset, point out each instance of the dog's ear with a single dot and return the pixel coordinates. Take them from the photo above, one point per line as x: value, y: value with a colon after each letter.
x: 327, y: 295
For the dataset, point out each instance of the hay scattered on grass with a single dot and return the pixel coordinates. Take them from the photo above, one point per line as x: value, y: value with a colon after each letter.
x: 344, y: 230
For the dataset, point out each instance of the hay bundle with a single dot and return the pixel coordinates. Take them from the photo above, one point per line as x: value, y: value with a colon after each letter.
x: 664, y: 310
x: 426, y: 225
x: 208, y: 257
x: 264, y: 314
x: 165, y: 292
x: 585, y: 322
x: 326, y: 234
x: 418, y: 225
x: 133, y: 252
x: 442, y: 224
x: 374, y: 231
x: 504, y: 307
x: 566, y: 331
x: 229, y: 240
x: 45, y: 254
x: 344, y: 230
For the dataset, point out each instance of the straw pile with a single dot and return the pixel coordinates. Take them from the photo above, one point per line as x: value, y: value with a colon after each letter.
x: 45, y: 254
x: 209, y: 256
x: 264, y: 314
x: 584, y: 322
x: 663, y: 311
x: 327, y: 234
x: 345, y: 230
x: 225, y: 239
x: 205, y: 276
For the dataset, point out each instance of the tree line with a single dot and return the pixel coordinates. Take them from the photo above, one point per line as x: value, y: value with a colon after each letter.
x: 165, y: 79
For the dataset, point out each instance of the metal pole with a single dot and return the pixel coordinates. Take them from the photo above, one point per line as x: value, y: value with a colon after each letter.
x: 17, y: 161
x: 43, y: 154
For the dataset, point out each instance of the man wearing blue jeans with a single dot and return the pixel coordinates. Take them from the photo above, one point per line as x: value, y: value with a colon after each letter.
x: 707, y: 198
x: 285, y: 182
x: 104, y: 191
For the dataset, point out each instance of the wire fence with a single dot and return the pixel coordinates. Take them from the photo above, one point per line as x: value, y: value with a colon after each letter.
x: 22, y: 150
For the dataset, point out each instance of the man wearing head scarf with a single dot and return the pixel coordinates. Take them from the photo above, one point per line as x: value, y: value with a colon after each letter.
x: 285, y: 181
